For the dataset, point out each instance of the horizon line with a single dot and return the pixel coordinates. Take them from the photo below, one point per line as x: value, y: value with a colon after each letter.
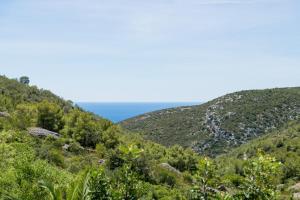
x: 137, y: 102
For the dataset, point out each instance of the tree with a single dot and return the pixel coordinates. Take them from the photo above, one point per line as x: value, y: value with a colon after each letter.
x: 206, y: 181
x: 24, y: 116
x: 100, y: 187
x: 24, y: 80
x: 83, y: 128
x: 49, y: 116
x: 128, y: 183
x: 182, y: 159
x: 110, y: 137
x: 260, y: 178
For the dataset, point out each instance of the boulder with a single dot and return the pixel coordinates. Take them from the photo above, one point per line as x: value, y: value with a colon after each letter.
x: 66, y: 147
x: 101, y: 161
x: 222, y: 188
x: 170, y: 168
x: 296, y: 196
x: 4, y: 114
x: 40, y: 132
x: 295, y: 188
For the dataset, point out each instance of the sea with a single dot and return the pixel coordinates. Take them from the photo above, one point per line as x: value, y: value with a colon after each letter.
x: 117, y: 112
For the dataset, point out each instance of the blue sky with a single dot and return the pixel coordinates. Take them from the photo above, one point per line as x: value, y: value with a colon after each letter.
x: 158, y: 50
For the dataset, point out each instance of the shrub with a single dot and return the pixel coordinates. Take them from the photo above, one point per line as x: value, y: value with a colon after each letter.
x: 260, y: 178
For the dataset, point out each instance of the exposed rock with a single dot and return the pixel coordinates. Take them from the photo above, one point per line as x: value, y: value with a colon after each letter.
x: 66, y: 147
x: 4, y: 114
x: 295, y: 188
x: 213, y: 123
x: 280, y: 187
x: 296, y: 196
x: 90, y: 150
x: 222, y: 188
x: 40, y: 132
x: 170, y: 168
x: 101, y: 161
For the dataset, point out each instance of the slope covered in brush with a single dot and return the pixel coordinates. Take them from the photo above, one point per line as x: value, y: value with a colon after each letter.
x: 49, y: 145
x: 220, y: 124
x: 50, y: 149
x: 282, y: 144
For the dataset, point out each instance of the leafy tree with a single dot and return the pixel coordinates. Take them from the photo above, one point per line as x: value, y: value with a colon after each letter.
x: 182, y: 159
x: 24, y: 80
x: 25, y: 115
x: 6, y: 103
x: 128, y: 183
x: 206, y: 181
x: 83, y: 128
x: 49, y: 116
x: 101, y: 150
x: 100, y: 187
x: 110, y: 137
x: 260, y: 178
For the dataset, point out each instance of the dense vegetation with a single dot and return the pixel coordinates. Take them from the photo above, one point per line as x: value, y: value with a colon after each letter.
x: 282, y: 144
x: 215, y: 127
x: 95, y: 159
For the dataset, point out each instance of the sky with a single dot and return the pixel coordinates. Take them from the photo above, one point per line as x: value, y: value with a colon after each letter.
x: 151, y: 50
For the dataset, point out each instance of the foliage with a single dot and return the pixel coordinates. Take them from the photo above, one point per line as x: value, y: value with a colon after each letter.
x: 182, y: 159
x: 206, y: 180
x: 283, y: 145
x: 24, y: 80
x: 83, y: 127
x: 24, y: 116
x: 96, y: 159
x: 77, y: 190
x: 260, y: 178
x: 100, y: 187
x: 49, y: 116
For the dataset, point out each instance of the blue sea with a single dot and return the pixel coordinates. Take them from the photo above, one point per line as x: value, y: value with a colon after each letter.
x: 117, y: 112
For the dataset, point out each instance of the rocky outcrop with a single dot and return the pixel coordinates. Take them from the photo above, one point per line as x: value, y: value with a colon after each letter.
x: 231, y: 109
x: 66, y: 147
x: 4, y: 114
x: 296, y: 196
x: 213, y: 123
x: 295, y: 188
x: 40, y: 132
x: 170, y: 168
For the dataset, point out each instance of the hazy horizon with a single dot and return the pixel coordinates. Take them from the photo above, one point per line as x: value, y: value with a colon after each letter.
x: 151, y: 51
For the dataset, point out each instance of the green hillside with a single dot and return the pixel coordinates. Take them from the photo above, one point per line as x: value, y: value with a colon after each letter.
x: 12, y: 93
x: 53, y: 150
x: 49, y: 148
x: 283, y: 145
x: 217, y: 126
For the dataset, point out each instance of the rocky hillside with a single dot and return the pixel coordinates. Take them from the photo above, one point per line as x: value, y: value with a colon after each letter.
x: 282, y: 144
x: 220, y: 124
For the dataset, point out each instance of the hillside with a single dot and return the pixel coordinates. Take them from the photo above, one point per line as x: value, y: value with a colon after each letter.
x: 282, y: 144
x: 51, y: 149
x: 48, y: 145
x: 217, y: 126
x: 12, y: 93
